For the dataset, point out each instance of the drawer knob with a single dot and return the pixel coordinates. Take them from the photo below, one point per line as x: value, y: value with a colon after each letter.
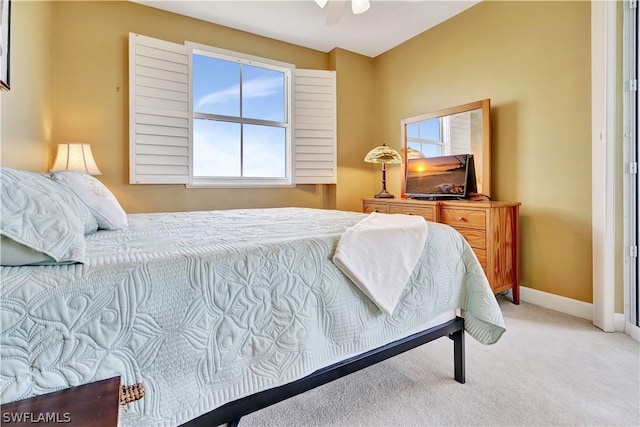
x: 462, y: 219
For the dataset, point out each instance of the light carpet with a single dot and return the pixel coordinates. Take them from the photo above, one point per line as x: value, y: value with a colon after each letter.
x: 549, y: 369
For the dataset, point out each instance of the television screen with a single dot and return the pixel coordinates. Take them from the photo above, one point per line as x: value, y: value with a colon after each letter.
x: 444, y: 177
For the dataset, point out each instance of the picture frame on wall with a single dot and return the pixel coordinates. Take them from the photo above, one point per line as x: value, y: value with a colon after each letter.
x: 5, y: 23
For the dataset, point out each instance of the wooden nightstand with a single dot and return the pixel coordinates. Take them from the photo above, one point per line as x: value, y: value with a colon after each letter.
x: 94, y: 405
x: 491, y: 228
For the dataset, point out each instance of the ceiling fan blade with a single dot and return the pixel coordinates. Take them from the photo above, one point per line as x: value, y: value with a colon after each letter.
x: 334, y: 11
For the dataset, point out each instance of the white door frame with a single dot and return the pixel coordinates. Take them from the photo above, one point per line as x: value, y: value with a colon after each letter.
x: 603, y: 120
x: 604, y: 99
x: 630, y: 120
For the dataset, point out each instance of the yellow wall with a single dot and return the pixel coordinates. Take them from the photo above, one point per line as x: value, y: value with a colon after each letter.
x: 532, y: 59
x: 25, y: 129
x: 91, y: 102
x: 77, y: 80
x: 356, y: 130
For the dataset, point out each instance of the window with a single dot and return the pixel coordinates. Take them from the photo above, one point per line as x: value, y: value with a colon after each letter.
x: 426, y: 136
x: 241, y: 120
x: 204, y: 116
x: 446, y: 135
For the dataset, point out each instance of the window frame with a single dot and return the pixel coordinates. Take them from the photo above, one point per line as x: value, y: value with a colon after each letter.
x: 245, y: 59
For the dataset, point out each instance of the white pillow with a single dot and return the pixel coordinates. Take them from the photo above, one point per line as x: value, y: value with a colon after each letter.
x: 102, y: 203
x: 13, y: 253
x: 43, y: 216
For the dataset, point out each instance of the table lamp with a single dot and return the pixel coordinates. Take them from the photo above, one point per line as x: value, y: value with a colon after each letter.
x: 383, y: 154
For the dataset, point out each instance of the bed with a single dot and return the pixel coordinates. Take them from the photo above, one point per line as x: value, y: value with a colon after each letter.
x: 213, y: 309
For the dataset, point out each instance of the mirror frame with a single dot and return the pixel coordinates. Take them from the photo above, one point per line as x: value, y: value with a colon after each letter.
x: 485, y: 106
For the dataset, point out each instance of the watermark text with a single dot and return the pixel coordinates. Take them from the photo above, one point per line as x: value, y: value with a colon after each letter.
x: 36, y: 417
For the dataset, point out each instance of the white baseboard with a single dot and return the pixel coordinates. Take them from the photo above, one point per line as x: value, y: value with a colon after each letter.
x: 581, y: 309
x: 632, y: 330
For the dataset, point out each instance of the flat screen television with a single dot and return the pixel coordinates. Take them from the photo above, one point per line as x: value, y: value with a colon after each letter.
x: 443, y: 177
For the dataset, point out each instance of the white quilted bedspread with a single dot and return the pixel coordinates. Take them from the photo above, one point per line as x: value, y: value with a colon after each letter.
x: 208, y: 307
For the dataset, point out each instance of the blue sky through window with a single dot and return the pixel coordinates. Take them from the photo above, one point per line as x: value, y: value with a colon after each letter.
x: 425, y: 130
x: 216, y: 86
x: 232, y: 148
x: 262, y: 94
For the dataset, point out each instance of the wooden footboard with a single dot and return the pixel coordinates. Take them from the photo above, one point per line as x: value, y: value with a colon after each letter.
x: 231, y: 412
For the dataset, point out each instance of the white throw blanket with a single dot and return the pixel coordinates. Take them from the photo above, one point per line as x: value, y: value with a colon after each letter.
x: 379, y: 254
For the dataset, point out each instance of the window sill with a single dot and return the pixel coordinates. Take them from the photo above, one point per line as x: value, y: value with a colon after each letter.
x: 204, y: 183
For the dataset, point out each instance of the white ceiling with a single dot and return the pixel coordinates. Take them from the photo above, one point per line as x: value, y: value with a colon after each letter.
x: 385, y: 25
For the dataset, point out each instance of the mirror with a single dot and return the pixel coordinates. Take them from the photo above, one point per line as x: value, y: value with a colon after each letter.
x: 464, y: 129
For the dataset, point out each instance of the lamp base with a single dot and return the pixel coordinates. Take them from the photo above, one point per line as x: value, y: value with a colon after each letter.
x: 384, y: 194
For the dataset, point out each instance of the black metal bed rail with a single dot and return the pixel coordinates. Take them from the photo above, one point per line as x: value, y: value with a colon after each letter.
x: 230, y: 413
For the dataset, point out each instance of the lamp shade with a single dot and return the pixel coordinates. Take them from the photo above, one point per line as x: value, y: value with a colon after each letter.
x: 359, y: 6
x: 383, y: 154
x: 75, y: 156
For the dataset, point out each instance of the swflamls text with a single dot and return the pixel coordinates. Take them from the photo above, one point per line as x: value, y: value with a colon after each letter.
x: 36, y: 417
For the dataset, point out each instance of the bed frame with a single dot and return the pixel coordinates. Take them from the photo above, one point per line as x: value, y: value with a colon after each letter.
x: 230, y: 413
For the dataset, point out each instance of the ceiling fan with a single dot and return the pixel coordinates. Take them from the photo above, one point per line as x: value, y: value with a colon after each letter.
x: 335, y: 8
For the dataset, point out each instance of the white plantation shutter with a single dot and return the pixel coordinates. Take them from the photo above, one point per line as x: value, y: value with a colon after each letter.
x: 160, y: 117
x: 158, y: 111
x: 460, y: 133
x: 314, y: 127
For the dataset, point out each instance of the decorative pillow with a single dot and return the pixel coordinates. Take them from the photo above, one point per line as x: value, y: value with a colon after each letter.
x: 42, y: 215
x: 102, y: 203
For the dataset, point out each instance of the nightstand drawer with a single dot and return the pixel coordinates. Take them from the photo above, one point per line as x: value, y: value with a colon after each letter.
x: 429, y: 213
x: 464, y: 218
x: 375, y: 207
x: 477, y: 238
